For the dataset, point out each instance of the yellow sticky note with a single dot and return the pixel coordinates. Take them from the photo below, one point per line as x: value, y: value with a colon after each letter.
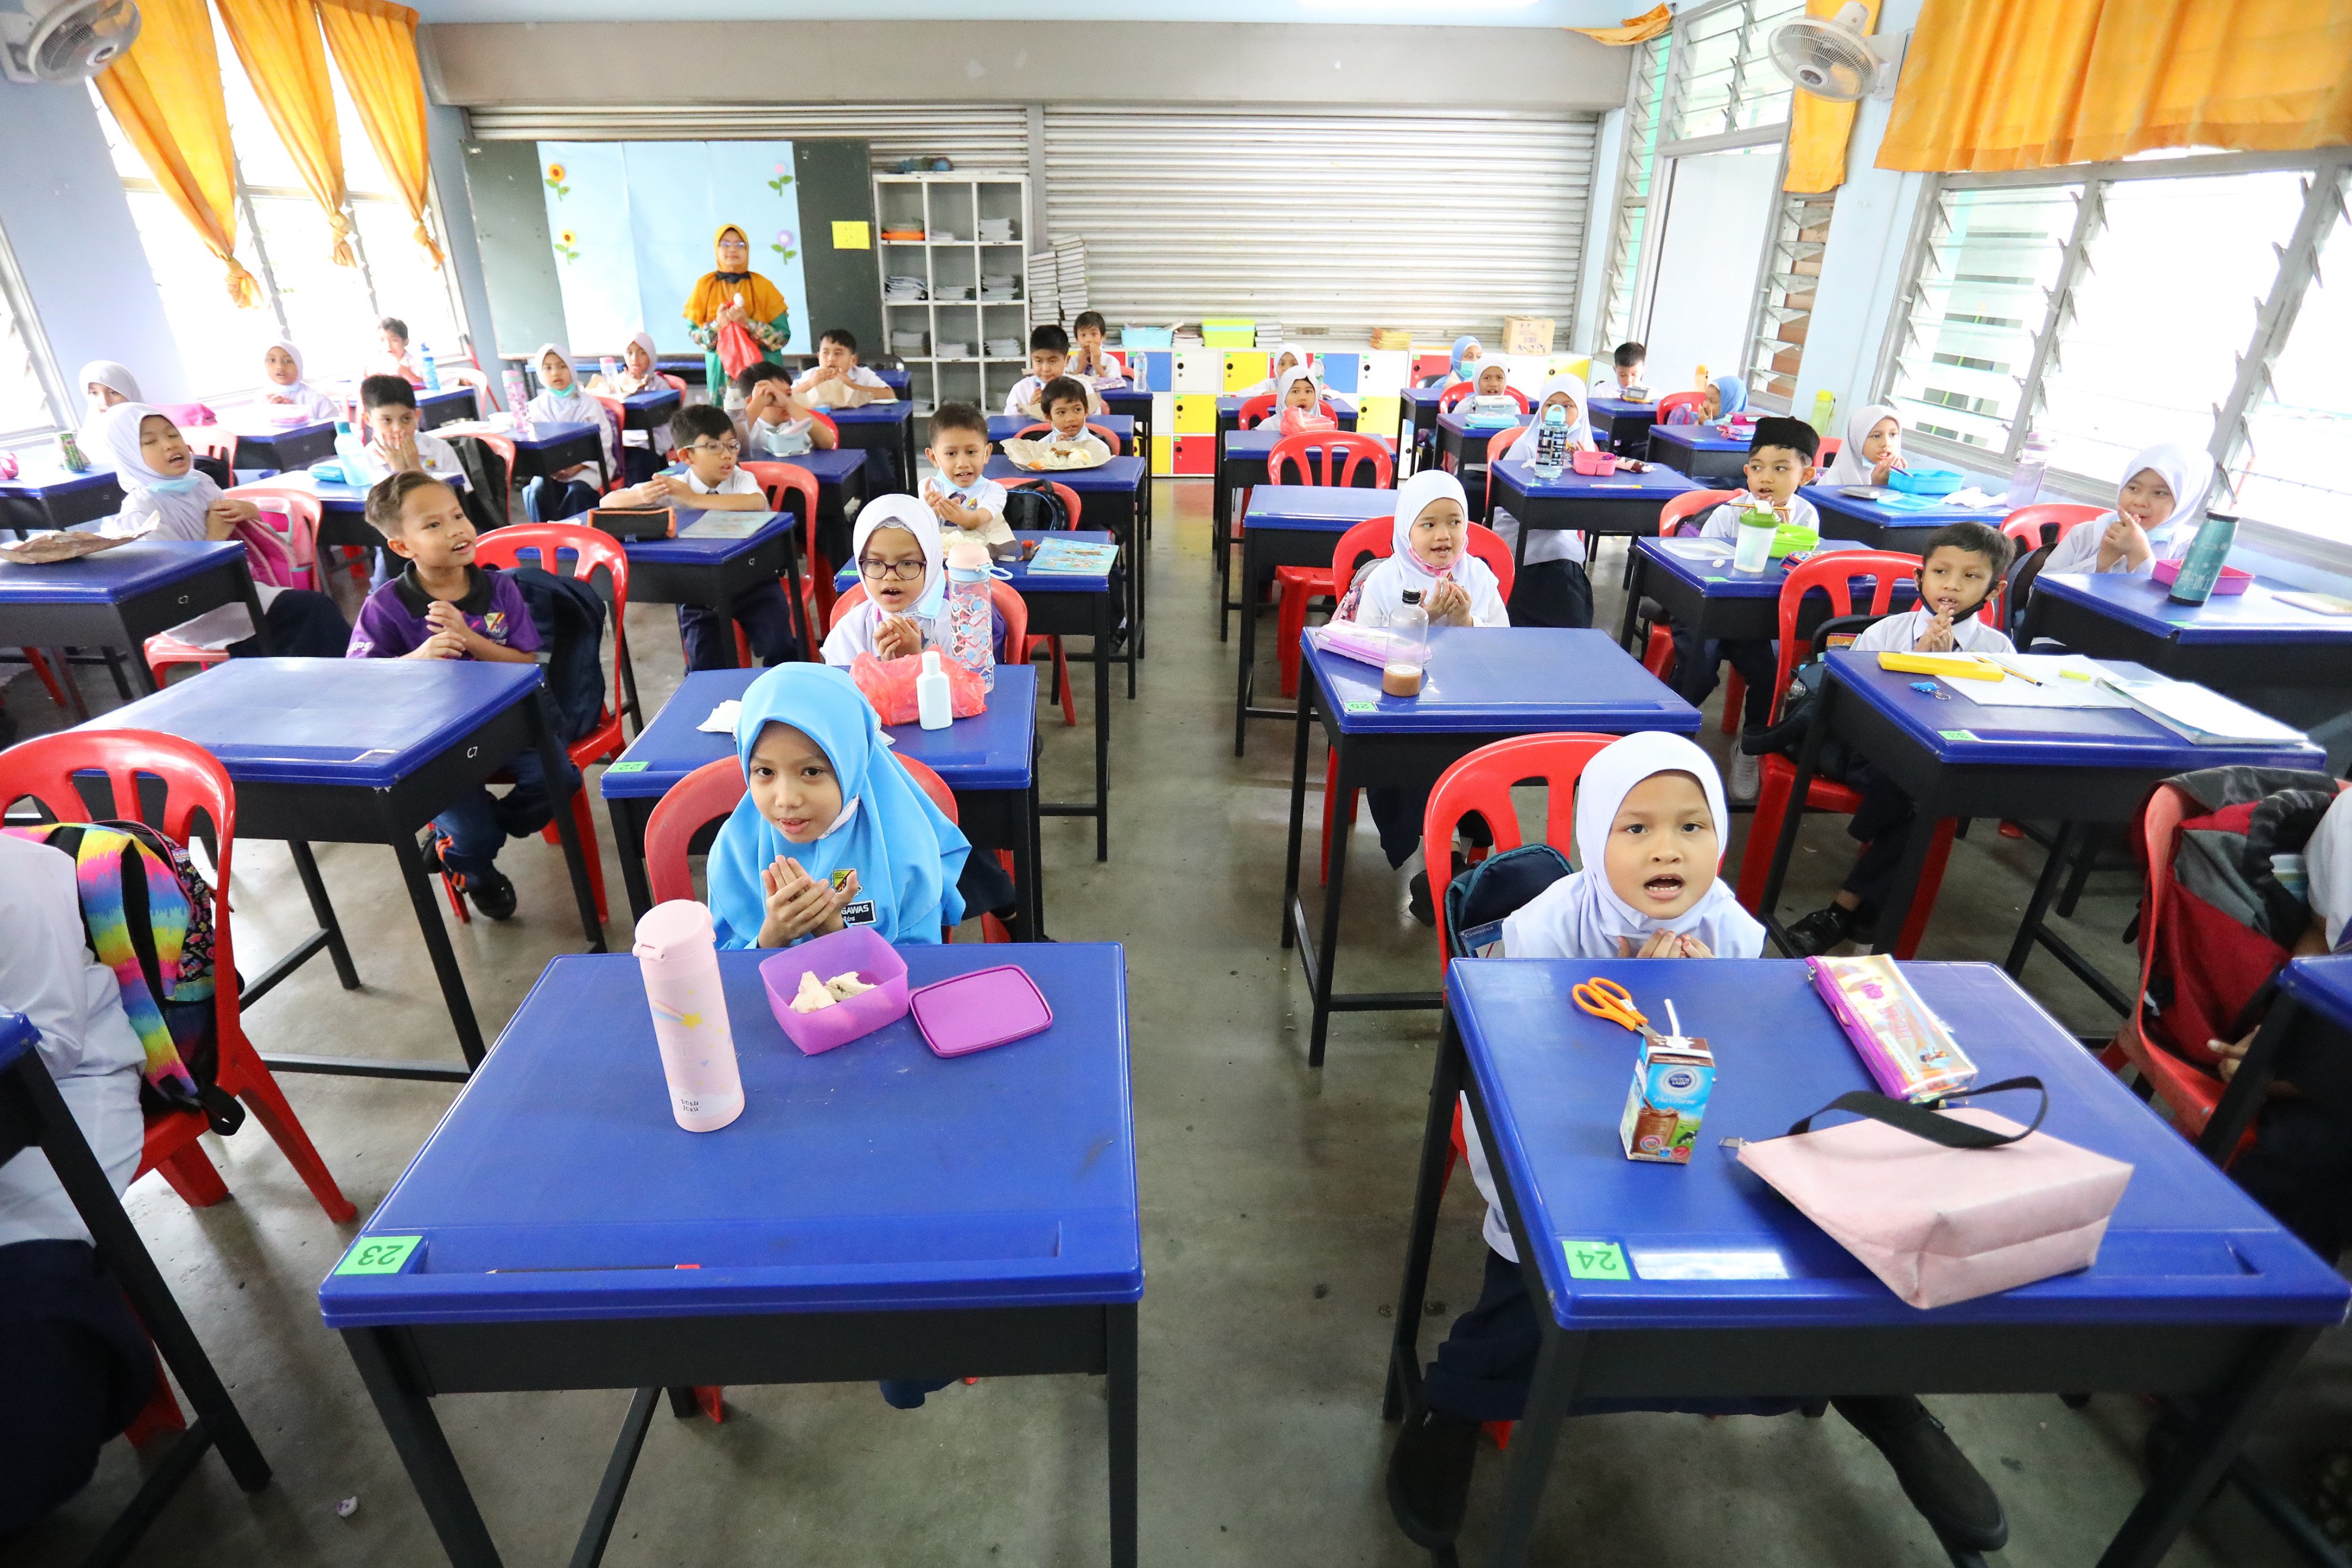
x: 852, y: 235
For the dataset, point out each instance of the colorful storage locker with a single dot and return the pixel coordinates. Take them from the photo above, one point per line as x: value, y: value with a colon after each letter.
x: 1381, y: 372
x: 1244, y: 368
x: 1163, y: 456
x: 1198, y: 370
x: 1377, y: 415
x: 1196, y: 455
x: 1158, y: 367
x: 1196, y: 414
x: 1340, y: 372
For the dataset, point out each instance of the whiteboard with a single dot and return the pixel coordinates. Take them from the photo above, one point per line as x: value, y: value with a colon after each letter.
x: 1702, y: 293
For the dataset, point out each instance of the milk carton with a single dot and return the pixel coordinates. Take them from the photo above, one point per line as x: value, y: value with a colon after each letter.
x: 1671, y: 1077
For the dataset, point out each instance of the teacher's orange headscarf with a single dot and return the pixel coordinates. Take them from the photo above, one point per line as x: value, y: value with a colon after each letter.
x: 762, y: 300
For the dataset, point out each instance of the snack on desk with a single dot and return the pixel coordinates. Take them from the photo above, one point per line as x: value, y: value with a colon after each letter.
x: 1044, y: 456
x: 1909, y: 1053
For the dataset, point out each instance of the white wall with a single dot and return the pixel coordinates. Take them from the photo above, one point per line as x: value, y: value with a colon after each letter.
x: 62, y: 207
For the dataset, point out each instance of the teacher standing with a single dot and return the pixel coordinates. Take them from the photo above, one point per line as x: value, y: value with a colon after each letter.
x: 761, y: 310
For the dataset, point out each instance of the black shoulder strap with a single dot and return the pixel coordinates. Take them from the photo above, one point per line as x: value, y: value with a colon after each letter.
x: 1921, y: 1121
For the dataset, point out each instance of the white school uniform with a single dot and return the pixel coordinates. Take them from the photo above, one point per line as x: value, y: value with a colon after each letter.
x: 1580, y: 916
x: 575, y: 408
x: 439, y: 458
x: 1548, y: 543
x: 1087, y: 444
x: 308, y: 400
x: 1377, y: 594
x: 1900, y: 633
x: 1850, y: 467
x: 2329, y: 858
x: 738, y: 482
x: 1723, y: 522
x: 1111, y: 376
x: 853, y: 634
x: 858, y: 388
x: 2187, y: 471
x: 47, y: 973
x: 987, y: 495
x: 171, y: 508
x: 1022, y: 398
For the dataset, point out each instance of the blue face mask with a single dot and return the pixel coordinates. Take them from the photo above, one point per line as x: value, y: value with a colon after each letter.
x: 174, y: 487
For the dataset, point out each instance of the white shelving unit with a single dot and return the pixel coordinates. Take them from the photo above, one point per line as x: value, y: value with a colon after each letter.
x: 955, y: 203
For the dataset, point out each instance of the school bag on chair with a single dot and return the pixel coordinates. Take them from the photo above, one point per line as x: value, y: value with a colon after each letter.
x: 1480, y: 900
x: 1033, y: 505
x: 147, y: 913
x: 1787, y: 736
x: 569, y: 616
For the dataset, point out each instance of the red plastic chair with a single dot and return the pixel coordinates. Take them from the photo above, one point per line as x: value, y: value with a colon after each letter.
x: 1295, y: 587
x: 591, y: 549
x: 779, y: 480
x: 1108, y: 436
x: 1658, y: 652
x: 2031, y: 528
x: 1833, y: 573
x: 165, y: 653
x: 1072, y: 510
x: 1333, y: 445
x: 193, y: 781
x: 213, y: 441
x: 1675, y: 400
x: 1461, y: 389
x: 1369, y: 539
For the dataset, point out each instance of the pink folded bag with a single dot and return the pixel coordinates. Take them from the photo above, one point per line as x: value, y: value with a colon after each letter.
x: 1946, y: 1207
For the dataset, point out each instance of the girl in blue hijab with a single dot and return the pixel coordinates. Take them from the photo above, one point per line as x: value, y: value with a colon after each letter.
x: 1730, y: 397
x: 1466, y: 352
x: 831, y: 831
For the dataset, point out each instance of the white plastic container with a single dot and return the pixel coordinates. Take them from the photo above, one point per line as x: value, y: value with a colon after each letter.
x: 934, y: 705
x: 1752, y: 552
x: 679, y: 955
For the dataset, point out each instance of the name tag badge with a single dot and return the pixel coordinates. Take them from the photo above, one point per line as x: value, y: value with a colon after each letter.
x: 860, y: 913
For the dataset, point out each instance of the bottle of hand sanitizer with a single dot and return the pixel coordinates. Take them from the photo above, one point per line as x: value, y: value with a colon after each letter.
x: 934, y: 710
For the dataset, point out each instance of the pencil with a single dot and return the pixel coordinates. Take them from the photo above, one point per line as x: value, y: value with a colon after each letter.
x: 2012, y: 669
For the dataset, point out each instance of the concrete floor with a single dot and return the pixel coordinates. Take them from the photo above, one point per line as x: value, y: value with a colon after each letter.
x: 1275, y: 1201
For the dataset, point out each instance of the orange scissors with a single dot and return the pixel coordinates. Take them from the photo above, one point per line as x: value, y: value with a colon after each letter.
x: 1607, y: 999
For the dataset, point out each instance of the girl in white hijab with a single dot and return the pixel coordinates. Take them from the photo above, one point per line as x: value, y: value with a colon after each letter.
x: 106, y: 383
x: 1551, y: 589
x: 640, y: 449
x: 1298, y: 402
x: 898, y: 616
x: 1430, y: 551
x: 2156, y: 514
x: 1284, y: 359
x: 282, y: 363
x: 571, y: 491
x: 1872, y: 447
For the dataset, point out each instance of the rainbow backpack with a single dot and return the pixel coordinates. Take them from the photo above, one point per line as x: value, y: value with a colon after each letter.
x: 147, y: 913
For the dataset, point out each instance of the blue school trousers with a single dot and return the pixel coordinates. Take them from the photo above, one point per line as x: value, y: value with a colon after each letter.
x: 1757, y: 659
x: 552, y: 500
x: 74, y: 1367
x: 478, y: 826
x: 767, y: 618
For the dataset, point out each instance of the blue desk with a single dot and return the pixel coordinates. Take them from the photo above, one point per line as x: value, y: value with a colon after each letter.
x: 265, y: 443
x: 1698, y: 588
x: 1621, y: 426
x: 1004, y: 428
x: 650, y: 409
x: 1484, y: 684
x: 121, y: 597
x: 1884, y: 527
x: 1110, y: 498
x: 842, y: 474
x: 2231, y: 641
x: 43, y: 495
x: 1462, y: 451
x: 1702, y: 452
x: 2196, y: 1291
x: 445, y: 406
x: 887, y: 432
x: 874, y: 1212
x: 1620, y: 503
x: 1958, y: 758
x: 988, y: 759
x: 897, y: 381
x: 711, y: 572
x: 555, y: 445
x: 1130, y: 402
x: 1241, y: 468
x: 1288, y: 525
x: 365, y: 751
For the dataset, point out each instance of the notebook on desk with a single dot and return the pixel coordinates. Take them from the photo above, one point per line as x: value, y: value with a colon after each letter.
x: 2202, y: 715
x: 727, y: 525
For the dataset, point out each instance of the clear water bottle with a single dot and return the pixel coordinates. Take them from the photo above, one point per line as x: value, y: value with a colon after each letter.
x: 1408, y: 661
x: 2201, y: 569
x: 608, y: 368
x: 2032, y: 462
x: 1551, y: 442
x: 432, y: 372
x: 971, y: 621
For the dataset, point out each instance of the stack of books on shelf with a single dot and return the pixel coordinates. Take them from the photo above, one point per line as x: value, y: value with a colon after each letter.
x: 1391, y: 338
x: 1003, y: 348
x: 910, y: 233
x: 1070, y: 273
x: 909, y: 343
x: 998, y: 288
x: 952, y: 291
x: 954, y: 350
x: 900, y: 290
x: 1270, y: 334
x: 997, y: 231
x: 1045, y: 293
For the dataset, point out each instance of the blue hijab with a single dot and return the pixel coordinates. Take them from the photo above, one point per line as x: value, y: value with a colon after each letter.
x: 1462, y: 345
x: 905, y: 852
x: 1734, y: 393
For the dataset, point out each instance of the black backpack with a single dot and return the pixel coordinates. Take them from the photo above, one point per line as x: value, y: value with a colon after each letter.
x: 1032, y: 504
x: 488, y: 483
x: 569, y: 616
x: 1787, y: 735
x: 1482, y: 898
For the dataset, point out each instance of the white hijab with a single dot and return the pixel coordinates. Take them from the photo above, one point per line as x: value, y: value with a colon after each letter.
x: 107, y: 373
x: 1580, y: 418
x: 307, y: 400
x: 855, y: 632
x: 1282, y: 390
x: 1850, y: 467
x: 1378, y: 593
x: 2187, y: 471
x: 2327, y: 862
x: 177, y: 504
x: 645, y: 341
x: 573, y: 407
x: 1582, y: 916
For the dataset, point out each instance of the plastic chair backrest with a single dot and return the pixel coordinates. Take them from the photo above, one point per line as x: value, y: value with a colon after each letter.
x: 688, y: 806
x: 2026, y: 523
x: 1327, y: 446
x: 612, y: 406
x: 1104, y: 433
x: 1689, y: 504
x: 822, y: 417
x: 1675, y: 400
x: 1256, y: 408
x: 1497, y: 445
x: 1071, y: 507
x: 1456, y: 393
x: 1482, y: 782
x: 44, y: 768
x: 1374, y: 538
x: 299, y: 531
x: 1833, y: 572
x: 933, y: 785
x: 676, y: 382
x: 777, y: 479
x: 590, y: 549
x: 213, y: 441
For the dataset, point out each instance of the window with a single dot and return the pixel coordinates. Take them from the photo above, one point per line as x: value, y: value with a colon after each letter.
x: 283, y: 240
x: 1724, y: 79
x: 1793, y: 266
x: 1643, y: 104
x: 2178, y: 298
x: 26, y: 407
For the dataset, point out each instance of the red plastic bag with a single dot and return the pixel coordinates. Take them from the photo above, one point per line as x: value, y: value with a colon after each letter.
x: 737, y: 348
x: 889, y: 685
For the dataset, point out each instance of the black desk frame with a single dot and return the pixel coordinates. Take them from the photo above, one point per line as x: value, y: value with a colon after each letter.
x: 1091, y: 615
x: 126, y: 624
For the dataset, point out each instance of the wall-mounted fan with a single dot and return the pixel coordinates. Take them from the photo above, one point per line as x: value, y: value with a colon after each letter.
x: 65, y: 40
x: 1833, y: 59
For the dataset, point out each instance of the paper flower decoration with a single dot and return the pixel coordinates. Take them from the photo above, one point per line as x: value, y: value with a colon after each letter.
x: 780, y: 180
x: 783, y: 244
x: 564, y: 245
x: 555, y: 180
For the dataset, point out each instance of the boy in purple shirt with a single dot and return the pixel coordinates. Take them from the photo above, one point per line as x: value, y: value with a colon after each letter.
x: 445, y: 606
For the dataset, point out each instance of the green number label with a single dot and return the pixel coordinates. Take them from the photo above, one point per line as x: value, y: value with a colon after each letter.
x: 1595, y: 1260
x: 626, y: 768
x: 1958, y: 734
x: 1357, y: 706
x: 379, y: 1254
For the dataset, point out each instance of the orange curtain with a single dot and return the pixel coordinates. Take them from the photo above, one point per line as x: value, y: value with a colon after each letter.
x: 1817, y: 129
x: 287, y: 64
x: 375, y: 49
x: 165, y: 93
x: 1638, y: 29
x: 2032, y: 84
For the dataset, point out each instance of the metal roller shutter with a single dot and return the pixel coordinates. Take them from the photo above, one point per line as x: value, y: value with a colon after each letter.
x: 991, y: 136
x: 1436, y: 222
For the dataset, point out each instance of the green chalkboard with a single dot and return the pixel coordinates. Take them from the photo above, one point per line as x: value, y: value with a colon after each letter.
x: 835, y: 181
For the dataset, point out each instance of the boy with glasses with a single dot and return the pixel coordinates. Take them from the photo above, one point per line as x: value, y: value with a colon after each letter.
x: 713, y: 479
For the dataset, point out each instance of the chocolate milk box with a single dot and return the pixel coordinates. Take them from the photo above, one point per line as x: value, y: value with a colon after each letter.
x: 1671, y: 1077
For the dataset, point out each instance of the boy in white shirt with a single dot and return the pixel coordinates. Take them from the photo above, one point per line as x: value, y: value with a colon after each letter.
x: 394, y: 444
x: 837, y: 380
x: 966, y: 505
x: 776, y: 426
x: 1049, y: 359
x: 1625, y: 371
x: 1961, y: 566
x: 1780, y: 459
x: 714, y: 481
x: 1088, y: 360
x: 1064, y: 402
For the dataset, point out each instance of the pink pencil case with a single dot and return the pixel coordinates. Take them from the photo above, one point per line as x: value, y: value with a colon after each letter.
x: 985, y: 1008
x: 1909, y: 1053
x: 2231, y: 579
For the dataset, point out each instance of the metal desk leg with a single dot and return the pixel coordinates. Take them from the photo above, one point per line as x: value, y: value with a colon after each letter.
x: 1102, y: 726
x: 1809, y: 758
x: 1641, y: 570
x: 629, y: 842
x: 1916, y: 842
x: 1297, y: 803
x: 1244, y: 670
x: 306, y: 867
x: 1537, y: 1437
x: 551, y: 758
x: 1429, y: 1191
x: 2044, y: 886
x: 596, y: 1530
x: 416, y: 1437
x: 437, y: 948
x: 1121, y: 1373
x: 1325, y: 953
